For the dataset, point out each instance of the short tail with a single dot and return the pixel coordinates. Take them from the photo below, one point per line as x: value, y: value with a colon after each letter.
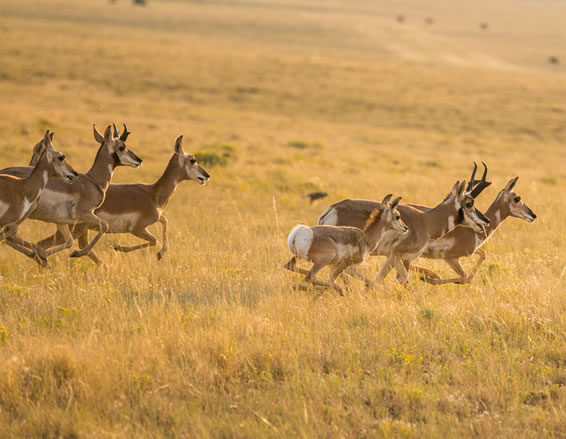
x: 299, y: 240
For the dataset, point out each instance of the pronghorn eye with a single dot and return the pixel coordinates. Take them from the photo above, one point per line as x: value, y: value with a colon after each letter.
x: 61, y: 157
x: 193, y: 161
x: 517, y: 199
x: 470, y: 204
x: 398, y: 217
x: 122, y: 148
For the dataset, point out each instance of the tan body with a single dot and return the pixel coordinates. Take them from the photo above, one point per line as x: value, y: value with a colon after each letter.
x: 424, y: 227
x: 20, y: 196
x: 131, y: 208
x: 67, y: 204
x: 463, y: 242
x: 341, y: 247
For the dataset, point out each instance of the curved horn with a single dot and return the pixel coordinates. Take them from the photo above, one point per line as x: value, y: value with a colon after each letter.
x: 482, y: 184
x: 115, y: 132
x: 385, y: 201
x: 97, y: 136
x: 125, y: 133
x: 472, y: 178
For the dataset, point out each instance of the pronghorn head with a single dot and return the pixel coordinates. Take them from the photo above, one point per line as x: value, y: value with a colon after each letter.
x: 193, y: 171
x: 517, y: 208
x: 59, y: 167
x: 116, y: 145
x: 388, y: 215
x: 468, y: 215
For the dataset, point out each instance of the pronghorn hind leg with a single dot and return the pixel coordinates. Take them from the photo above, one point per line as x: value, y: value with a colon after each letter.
x: 165, y: 245
x: 83, y: 242
x: 143, y: 234
x: 291, y: 265
x: 335, y: 273
x: 30, y: 253
x: 91, y: 220
x: 353, y: 270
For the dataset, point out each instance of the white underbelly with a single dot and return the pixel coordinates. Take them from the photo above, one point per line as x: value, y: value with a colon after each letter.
x: 120, y: 223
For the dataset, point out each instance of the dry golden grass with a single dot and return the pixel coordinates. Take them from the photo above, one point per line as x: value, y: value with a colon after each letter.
x: 212, y: 341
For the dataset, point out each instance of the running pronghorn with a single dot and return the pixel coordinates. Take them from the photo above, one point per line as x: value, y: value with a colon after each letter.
x: 463, y: 242
x: 342, y: 247
x: 67, y: 204
x: 424, y: 227
x: 19, y: 196
x: 131, y: 208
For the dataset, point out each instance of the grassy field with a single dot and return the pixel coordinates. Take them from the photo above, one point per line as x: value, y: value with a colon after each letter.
x: 306, y: 95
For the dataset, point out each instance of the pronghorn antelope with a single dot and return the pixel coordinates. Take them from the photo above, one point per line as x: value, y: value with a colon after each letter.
x: 19, y: 196
x: 68, y: 204
x: 131, y: 208
x: 462, y: 242
x: 342, y: 247
x: 401, y: 249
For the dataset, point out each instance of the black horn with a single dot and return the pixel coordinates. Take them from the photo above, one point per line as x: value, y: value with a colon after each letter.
x: 472, y: 178
x: 125, y: 133
x: 482, y: 184
x: 115, y: 130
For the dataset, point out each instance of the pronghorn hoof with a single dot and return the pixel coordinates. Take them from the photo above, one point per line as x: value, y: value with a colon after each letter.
x: 159, y: 256
x: 76, y: 254
x: 116, y: 247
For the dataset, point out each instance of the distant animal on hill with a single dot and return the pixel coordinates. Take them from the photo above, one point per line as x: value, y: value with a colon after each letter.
x: 400, y: 18
x: 140, y: 2
x: 553, y: 60
x: 429, y: 20
x: 313, y: 196
x: 484, y: 26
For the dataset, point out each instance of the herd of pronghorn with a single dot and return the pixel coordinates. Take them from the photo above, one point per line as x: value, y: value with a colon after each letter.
x: 77, y: 203
x: 348, y: 232
x: 351, y: 230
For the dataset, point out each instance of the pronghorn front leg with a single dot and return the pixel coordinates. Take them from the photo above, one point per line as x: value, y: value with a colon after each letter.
x: 455, y: 265
x: 482, y: 255
x: 165, y: 245
x: 143, y: 234
x: 425, y: 273
x: 83, y: 242
x: 92, y: 220
x: 65, y: 236
x: 353, y: 270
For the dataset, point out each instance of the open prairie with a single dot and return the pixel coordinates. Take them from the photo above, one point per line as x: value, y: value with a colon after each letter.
x: 297, y: 96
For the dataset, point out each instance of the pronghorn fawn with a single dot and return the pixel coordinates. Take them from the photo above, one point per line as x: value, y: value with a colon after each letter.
x: 342, y: 247
x: 462, y: 242
x: 68, y: 204
x: 401, y: 249
x: 131, y: 208
x: 19, y: 196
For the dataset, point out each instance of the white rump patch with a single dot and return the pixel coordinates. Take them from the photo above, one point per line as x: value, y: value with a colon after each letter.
x: 329, y: 217
x: 300, y: 240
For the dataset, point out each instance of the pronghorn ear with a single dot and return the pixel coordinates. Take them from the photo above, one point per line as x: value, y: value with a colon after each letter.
x: 97, y: 136
x: 454, y: 189
x: 462, y: 188
x: 179, y: 146
x: 108, y: 133
x: 511, y: 184
x: 385, y: 201
x: 47, y: 140
x: 51, y: 136
x: 395, y: 203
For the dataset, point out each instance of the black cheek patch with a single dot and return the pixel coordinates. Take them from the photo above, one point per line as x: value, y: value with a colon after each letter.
x: 460, y: 218
x: 116, y: 159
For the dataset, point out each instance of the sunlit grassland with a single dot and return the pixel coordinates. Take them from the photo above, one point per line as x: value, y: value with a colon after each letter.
x: 212, y: 341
